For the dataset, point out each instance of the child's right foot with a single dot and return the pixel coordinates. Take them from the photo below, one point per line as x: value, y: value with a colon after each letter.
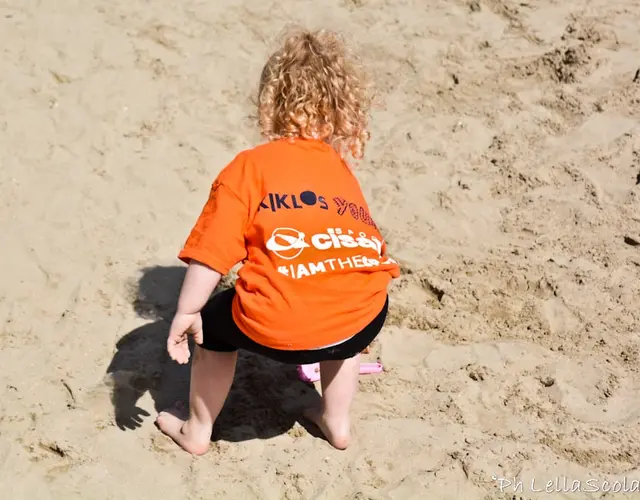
x: 184, y: 433
x: 337, y: 431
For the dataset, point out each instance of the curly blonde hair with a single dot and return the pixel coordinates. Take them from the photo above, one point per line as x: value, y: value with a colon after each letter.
x: 314, y: 88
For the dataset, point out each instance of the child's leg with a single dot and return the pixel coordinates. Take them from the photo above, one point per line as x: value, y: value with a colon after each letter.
x: 339, y: 380
x: 211, y: 378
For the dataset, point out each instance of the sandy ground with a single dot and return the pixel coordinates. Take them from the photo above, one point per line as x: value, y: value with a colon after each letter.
x: 504, y: 171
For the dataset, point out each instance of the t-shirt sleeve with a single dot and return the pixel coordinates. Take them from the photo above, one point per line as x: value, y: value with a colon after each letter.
x: 218, y: 237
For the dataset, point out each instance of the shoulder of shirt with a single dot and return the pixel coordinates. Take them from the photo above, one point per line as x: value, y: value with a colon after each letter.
x: 255, y: 155
x: 248, y: 164
x: 277, y: 151
x: 260, y: 159
x: 265, y: 149
x: 254, y: 160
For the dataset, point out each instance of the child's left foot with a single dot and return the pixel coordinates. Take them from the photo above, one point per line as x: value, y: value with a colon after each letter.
x: 191, y: 436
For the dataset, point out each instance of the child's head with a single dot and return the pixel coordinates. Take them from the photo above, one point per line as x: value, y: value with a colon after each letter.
x: 312, y: 88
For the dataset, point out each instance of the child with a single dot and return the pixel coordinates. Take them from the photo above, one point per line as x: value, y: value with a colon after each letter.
x: 313, y: 287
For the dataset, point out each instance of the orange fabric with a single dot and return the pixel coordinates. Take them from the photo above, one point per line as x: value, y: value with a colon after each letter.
x: 315, y: 270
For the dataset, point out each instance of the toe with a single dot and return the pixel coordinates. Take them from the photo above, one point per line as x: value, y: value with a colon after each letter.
x: 169, y: 423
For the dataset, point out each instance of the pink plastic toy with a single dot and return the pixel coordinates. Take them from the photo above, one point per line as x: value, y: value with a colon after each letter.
x: 311, y: 373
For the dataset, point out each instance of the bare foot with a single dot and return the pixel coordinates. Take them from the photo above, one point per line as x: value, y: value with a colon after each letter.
x: 337, y: 431
x: 192, y: 437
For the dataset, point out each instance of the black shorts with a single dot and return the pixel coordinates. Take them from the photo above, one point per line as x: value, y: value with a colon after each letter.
x: 221, y: 334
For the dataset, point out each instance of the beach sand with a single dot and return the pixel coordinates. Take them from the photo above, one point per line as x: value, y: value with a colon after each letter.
x: 504, y: 171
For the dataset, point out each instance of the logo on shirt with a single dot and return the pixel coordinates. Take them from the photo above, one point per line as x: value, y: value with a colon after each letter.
x: 288, y: 201
x: 286, y: 243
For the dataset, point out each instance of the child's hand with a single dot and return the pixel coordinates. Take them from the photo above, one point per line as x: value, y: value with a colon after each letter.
x: 183, y: 325
x: 199, y: 283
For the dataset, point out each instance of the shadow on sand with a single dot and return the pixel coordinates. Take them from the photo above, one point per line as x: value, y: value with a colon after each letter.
x: 266, y: 398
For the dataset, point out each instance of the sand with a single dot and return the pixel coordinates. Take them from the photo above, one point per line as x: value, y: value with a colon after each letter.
x: 503, y: 169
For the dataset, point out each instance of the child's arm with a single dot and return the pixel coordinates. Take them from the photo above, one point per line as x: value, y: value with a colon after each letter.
x: 215, y: 244
x: 199, y: 283
x: 197, y: 287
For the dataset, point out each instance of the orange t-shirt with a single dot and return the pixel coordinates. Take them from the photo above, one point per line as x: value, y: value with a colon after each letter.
x: 315, y: 270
